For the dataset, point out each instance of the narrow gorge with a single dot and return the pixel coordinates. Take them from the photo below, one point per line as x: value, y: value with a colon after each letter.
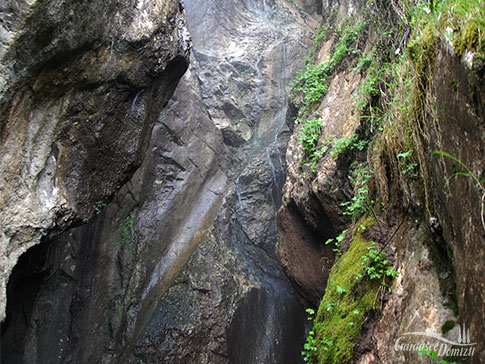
x: 242, y: 181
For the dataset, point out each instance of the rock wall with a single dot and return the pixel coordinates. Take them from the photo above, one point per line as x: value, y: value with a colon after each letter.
x: 183, y: 255
x: 245, y: 55
x: 180, y: 267
x: 430, y: 225
x: 81, y: 85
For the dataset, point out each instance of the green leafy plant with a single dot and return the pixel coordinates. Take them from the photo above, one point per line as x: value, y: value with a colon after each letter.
x: 338, y: 241
x: 340, y: 289
x: 312, y: 81
x: 346, y: 304
x: 321, y: 34
x: 408, y: 167
x: 343, y: 145
x: 99, y: 207
x: 433, y: 355
x: 127, y: 231
x: 309, y: 135
x: 311, y: 346
x: 376, y: 265
x: 359, y: 203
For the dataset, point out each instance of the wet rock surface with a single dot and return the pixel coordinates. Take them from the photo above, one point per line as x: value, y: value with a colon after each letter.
x: 180, y: 267
x: 461, y: 134
x: 237, y: 304
x: 81, y: 85
x: 125, y: 258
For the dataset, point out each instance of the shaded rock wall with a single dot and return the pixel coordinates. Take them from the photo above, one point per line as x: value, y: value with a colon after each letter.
x: 81, y: 84
x: 180, y: 267
x: 114, y: 269
x: 459, y: 129
x: 238, y: 305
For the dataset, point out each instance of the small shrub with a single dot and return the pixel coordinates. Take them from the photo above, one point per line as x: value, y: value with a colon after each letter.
x: 309, y: 135
x: 376, y: 265
x: 343, y: 145
x: 359, y: 205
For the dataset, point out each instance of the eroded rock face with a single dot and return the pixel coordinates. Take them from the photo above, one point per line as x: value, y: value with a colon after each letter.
x: 311, y: 212
x: 459, y: 130
x: 81, y: 84
x: 95, y: 292
x: 181, y: 266
x: 237, y: 304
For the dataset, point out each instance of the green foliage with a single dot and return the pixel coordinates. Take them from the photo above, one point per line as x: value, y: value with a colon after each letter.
x: 408, y: 166
x: 467, y: 19
x: 345, y: 305
x: 309, y: 134
x: 433, y: 355
x: 127, y: 231
x: 376, y: 265
x: 312, y: 82
x: 338, y: 241
x: 455, y: 172
x: 369, y: 88
x: 321, y: 34
x: 350, y: 34
x: 343, y: 145
x: 310, y: 348
x: 242, y: 93
x: 359, y: 203
x: 365, y: 60
x: 428, y: 352
x: 99, y: 207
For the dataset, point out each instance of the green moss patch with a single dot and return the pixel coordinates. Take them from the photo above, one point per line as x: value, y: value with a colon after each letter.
x: 349, y: 298
x: 467, y: 38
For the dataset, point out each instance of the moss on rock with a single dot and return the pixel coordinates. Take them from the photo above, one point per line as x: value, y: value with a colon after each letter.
x: 349, y: 298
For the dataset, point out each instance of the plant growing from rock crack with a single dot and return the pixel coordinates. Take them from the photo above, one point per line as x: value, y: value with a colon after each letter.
x: 310, y: 346
x: 310, y: 132
x: 309, y: 135
x: 312, y: 81
x: 376, y: 265
x: 409, y: 167
x: 338, y: 241
x: 99, y: 207
x: 127, y: 231
x: 359, y: 205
